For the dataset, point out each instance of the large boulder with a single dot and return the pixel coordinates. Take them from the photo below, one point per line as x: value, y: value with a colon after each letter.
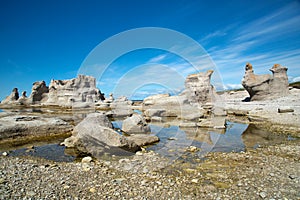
x: 94, y: 135
x: 135, y: 124
x: 262, y: 87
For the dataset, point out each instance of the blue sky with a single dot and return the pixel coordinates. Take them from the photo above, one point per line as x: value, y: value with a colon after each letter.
x: 44, y: 40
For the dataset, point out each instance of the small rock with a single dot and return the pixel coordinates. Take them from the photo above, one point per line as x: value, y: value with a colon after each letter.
x: 139, y: 153
x: 285, y: 109
x: 192, y: 149
x: 30, y: 193
x: 2, y: 181
x: 87, y: 159
x: 194, y: 180
x: 263, y: 195
x: 4, y: 154
x: 272, y: 174
x: 92, y: 190
x: 292, y: 176
x: 172, y: 138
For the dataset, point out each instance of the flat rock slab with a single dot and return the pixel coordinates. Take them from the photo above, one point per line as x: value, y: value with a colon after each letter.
x: 142, y: 139
x: 25, y: 125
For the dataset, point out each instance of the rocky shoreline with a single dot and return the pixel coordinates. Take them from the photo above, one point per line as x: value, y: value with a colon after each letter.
x: 77, y: 111
x: 266, y: 173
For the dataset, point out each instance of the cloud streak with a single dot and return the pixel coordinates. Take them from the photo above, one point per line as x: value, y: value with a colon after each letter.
x: 263, y: 42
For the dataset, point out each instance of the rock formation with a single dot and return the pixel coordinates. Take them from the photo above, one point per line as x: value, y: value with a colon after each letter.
x: 23, y: 100
x: 261, y: 87
x: 79, y: 91
x: 120, y: 107
x: 12, y: 98
x: 198, y: 88
x: 187, y: 105
x: 39, y: 91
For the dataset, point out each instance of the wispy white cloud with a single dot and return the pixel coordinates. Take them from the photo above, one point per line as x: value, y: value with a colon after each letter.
x: 263, y: 42
x: 296, y: 79
x: 232, y: 86
x: 158, y: 59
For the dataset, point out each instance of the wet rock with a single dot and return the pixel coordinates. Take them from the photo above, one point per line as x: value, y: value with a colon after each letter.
x: 155, y: 112
x: 23, y: 125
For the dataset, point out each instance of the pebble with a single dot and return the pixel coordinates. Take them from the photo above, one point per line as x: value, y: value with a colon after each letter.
x: 194, y: 180
x: 4, y: 154
x: 292, y: 176
x: 87, y: 159
x: 263, y: 195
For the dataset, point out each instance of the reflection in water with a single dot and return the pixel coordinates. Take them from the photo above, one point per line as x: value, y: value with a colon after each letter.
x: 255, y: 136
x: 206, y: 139
x: 174, y: 141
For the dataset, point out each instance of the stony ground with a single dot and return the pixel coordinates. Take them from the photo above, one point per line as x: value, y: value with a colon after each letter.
x: 267, y: 173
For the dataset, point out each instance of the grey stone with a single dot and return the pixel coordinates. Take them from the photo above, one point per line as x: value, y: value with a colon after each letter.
x: 285, y: 109
x: 261, y: 87
x: 142, y: 139
x: 94, y: 135
x: 135, y: 124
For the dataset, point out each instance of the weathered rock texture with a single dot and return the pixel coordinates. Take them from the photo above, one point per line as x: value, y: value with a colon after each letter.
x: 135, y: 124
x: 74, y: 92
x: 94, y: 135
x: 39, y: 92
x: 261, y: 87
x: 77, y: 92
x: 120, y: 107
x: 187, y: 105
x: 12, y: 98
x: 198, y: 88
x: 31, y: 126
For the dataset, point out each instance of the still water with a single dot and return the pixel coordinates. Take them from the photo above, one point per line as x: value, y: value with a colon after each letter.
x: 174, y: 142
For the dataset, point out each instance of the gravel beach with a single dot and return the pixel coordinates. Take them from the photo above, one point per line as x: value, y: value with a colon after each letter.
x: 271, y: 172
